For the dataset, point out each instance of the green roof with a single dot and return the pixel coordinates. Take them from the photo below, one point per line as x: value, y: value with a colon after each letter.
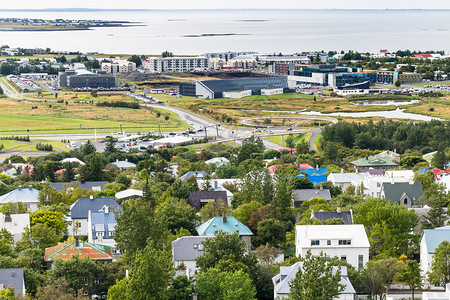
x: 373, y: 161
x: 394, y: 191
x: 213, y: 225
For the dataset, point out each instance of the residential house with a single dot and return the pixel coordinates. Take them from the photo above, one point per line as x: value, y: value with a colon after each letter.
x: 185, y: 250
x: 403, y: 193
x: 304, y: 166
x: 282, y: 280
x: 392, y: 155
x: 218, y: 185
x: 198, y: 175
x: 23, y: 168
x: 373, y: 184
x: 101, y: 227
x: 300, y: 196
x: 14, y: 278
x: 28, y: 196
x: 15, y: 224
x: 431, y: 238
x: 96, y: 252
x: 226, y: 225
x: 407, y: 175
x: 129, y: 194
x: 84, y: 185
x: 79, y: 212
x: 346, y: 216
x: 199, y: 199
x: 73, y: 160
x: 347, y: 242
x: 344, y: 180
x: 124, y: 165
x: 374, y: 163
x: 218, y: 161
x: 314, y: 172
x: 317, y: 179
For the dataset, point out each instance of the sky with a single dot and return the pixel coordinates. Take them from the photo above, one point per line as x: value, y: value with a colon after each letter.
x: 233, y: 4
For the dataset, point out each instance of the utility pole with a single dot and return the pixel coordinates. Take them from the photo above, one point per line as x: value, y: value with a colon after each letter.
x: 206, y: 133
x: 159, y: 127
x: 217, y: 128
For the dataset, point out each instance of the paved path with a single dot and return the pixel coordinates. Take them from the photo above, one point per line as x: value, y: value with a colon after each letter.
x: 312, y: 139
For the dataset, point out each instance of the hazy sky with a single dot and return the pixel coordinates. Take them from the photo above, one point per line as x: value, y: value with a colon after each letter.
x: 209, y: 4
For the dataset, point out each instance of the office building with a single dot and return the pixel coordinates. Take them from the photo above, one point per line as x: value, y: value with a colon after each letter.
x: 81, y: 78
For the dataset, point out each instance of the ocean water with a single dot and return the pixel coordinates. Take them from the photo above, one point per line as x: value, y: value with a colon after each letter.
x: 264, y: 31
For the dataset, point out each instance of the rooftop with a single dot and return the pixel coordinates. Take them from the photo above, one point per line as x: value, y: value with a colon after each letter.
x: 371, y: 161
x: 80, y: 209
x: 65, y: 251
x: 433, y: 237
x: 355, y: 232
x: 24, y: 195
x: 210, y: 227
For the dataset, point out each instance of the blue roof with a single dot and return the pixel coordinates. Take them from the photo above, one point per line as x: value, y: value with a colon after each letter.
x: 80, y: 209
x: 318, y: 179
x: 311, y: 172
x: 213, y: 225
x: 424, y: 170
x: 103, y: 222
x: 192, y: 173
x: 24, y: 195
x: 433, y: 237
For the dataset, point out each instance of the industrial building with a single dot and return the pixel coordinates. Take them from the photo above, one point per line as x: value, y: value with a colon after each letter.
x: 81, y: 78
x: 175, y: 64
x: 235, y: 88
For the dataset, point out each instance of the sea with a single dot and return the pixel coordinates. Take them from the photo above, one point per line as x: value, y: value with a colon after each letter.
x: 190, y: 32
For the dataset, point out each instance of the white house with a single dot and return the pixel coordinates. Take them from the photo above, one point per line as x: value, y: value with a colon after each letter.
x: 373, y: 184
x: 27, y: 196
x: 185, y: 250
x: 15, y: 224
x: 282, y: 289
x: 344, y: 180
x: 347, y: 242
x: 101, y: 227
x: 431, y: 238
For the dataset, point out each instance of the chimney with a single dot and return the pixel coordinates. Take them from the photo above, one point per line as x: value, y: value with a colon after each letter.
x: 395, y: 150
x: 30, y: 187
x: 117, y: 159
x: 82, y: 181
x: 126, y: 273
x: 224, y: 218
x: 321, y: 187
x: 367, y: 157
x: 351, y: 214
x: 77, y: 242
x: 342, y: 170
x: 106, y: 209
x: 8, y: 217
x: 20, y: 187
x: 338, y: 210
x: 91, y: 197
x: 216, y: 185
x: 312, y: 213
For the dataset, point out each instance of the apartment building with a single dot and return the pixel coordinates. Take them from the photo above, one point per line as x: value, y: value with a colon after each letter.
x: 175, y: 64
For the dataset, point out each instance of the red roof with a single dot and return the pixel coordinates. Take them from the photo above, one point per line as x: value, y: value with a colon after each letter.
x: 383, y: 50
x: 439, y: 172
x: 422, y: 55
x: 65, y: 251
x: 272, y: 169
x: 292, y: 150
x: 305, y: 166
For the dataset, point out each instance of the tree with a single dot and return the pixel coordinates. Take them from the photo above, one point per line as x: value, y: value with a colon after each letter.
x: 136, y: 59
x: 436, y: 216
x: 410, y: 274
x: 222, y: 285
x: 301, y: 183
x: 69, y: 173
x: 315, y: 279
x: 267, y: 254
x: 290, y: 142
x: 93, y: 169
x: 180, y: 289
x: 302, y: 147
x: 398, y: 83
x: 39, y: 235
x: 123, y: 179
x: 58, y: 290
x: 213, y: 209
x: 244, y: 211
x: 178, y: 215
x: 377, y: 274
x: 390, y: 227
x: 440, y: 266
x: 79, y: 272
x: 109, y: 146
x: 246, y: 151
x: 151, y: 271
x: 271, y: 232
x: 53, y: 219
x: 440, y: 159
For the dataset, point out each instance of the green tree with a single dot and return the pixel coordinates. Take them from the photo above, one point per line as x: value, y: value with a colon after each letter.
x: 180, y: 289
x: 39, y: 235
x: 302, y: 147
x: 377, y: 274
x: 69, y: 173
x: 315, y: 279
x: 58, y: 290
x: 151, y: 272
x: 244, y: 211
x: 93, y: 169
x: 177, y: 215
x: 79, y: 272
x: 221, y: 285
x: 53, y: 219
x: 136, y: 59
x: 290, y: 142
x: 390, y: 227
x: 109, y: 146
x: 436, y: 216
x: 271, y: 231
x: 440, y: 159
x: 123, y: 179
x: 247, y: 150
x: 440, y: 266
x: 398, y: 83
x: 410, y: 274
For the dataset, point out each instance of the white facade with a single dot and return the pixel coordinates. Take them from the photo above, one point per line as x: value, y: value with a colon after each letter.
x: 15, y: 224
x: 373, y: 184
x: 344, y: 180
x: 269, y: 92
x: 347, y: 242
x: 175, y: 64
x: 118, y: 67
x: 78, y: 227
x: 431, y: 238
x: 350, y: 92
x: 315, y: 79
x: 237, y: 94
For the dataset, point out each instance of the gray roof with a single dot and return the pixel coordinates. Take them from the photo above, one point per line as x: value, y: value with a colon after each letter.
x: 201, y: 174
x: 345, y: 216
x: 198, y: 199
x: 86, y: 185
x: 347, y: 177
x: 307, y: 194
x: 394, y: 191
x: 80, y: 209
x: 13, y: 277
x: 24, y: 195
x: 254, y: 83
x: 124, y: 164
x: 130, y: 193
x: 188, y: 248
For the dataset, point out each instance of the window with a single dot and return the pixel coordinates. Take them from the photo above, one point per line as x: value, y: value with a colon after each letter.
x: 343, y: 257
x: 345, y: 242
x: 329, y: 242
x: 360, y: 261
x: 315, y: 242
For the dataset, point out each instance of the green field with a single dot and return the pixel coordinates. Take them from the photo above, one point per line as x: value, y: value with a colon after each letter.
x: 278, y: 139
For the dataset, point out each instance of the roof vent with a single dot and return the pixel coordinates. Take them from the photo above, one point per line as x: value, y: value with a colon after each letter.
x: 30, y: 187
x: 338, y: 210
x: 214, y: 225
x: 20, y: 188
x: 235, y: 224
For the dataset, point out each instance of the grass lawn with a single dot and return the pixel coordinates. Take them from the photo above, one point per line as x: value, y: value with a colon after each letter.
x: 317, y: 141
x: 62, y: 118
x: 83, y: 96
x: 8, y: 83
x: 435, y: 107
x: 278, y: 139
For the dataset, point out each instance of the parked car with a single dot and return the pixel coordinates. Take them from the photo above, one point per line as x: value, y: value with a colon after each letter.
x: 289, y: 129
